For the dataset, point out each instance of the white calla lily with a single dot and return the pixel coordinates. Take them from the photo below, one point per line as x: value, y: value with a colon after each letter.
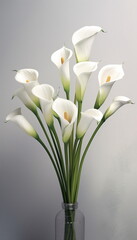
x: 107, y: 76
x: 45, y: 94
x: 24, y: 97
x: 83, y: 71
x: 29, y: 79
x: 67, y: 113
x: 82, y: 40
x: 22, y: 122
x: 118, y: 102
x: 86, y: 118
x: 61, y: 59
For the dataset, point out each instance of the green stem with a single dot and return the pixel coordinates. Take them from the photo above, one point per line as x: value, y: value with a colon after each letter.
x: 38, y: 117
x: 79, y: 111
x: 75, y: 148
x: 44, y: 130
x: 75, y: 99
x: 77, y: 153
x: 60, y: 151
x: 96, y: 105
x: 92, y: 137
x: 59, y: 164
x: 76, y: 170
x: 67, y: 95
x: 67, y: 169
x: 84, y: 154
x: 54, y: 142
x: 55, y: 167
x: 71, y: 153
x: 57, y: 140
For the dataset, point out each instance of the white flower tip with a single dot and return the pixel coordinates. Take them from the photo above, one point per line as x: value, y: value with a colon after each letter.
x: 104, y: 31
x: 118, y: 102
x: 122, y: 99
x: 85, y: 67
x: 85, y: 32
x: 83, y: 40
x: 16, y: 93
x: 22, y: 122
x: 12, y: 97
x: 95, y: 114
x: 12, y: 114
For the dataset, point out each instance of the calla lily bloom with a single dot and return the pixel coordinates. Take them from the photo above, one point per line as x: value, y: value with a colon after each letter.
x: 108, y: 75
x: 22, y: 122
x: 86, y: 118
x: 29, y: 79
x: 115, y: 105
x: 67, y: 113
x: 83, y: 71
x: 24, y: 97
x: 82, y: 40
x: 61, y: 59
x: 45, y: 94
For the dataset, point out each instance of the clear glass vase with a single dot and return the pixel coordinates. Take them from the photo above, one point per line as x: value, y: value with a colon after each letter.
x: 70, y: 223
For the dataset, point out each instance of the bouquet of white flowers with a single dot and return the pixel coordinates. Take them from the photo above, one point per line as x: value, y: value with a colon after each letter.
x: 73, y: 120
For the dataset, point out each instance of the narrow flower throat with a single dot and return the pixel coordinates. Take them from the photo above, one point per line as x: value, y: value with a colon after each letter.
x: 108, y: 79
x: 67, y: 117
x: 62, y: 60
x: 27, y: 81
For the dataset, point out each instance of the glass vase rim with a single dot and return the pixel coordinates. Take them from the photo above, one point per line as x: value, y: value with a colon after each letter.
x: 70, y: 206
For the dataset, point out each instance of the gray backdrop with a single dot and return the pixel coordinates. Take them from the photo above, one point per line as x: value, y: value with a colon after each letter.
x: 30, y: 31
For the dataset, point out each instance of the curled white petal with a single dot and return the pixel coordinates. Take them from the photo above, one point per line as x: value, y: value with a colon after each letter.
x: 22, y: 122
x: 118, y: 102
x: 107, y: 76
x: 102, y: 94
x: 26, y: 75
x: 83, y: 71
x: 110, y: 73
x: 29, y: 79
x: 67, y: 112
x: 82, y: 40
x: 86, y: 119
x: 61, y: 56
x: 61, y: 59
x: 60, y: 106
x: 85, y: 67
x: 24, y: 97
x: 45, y: 94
